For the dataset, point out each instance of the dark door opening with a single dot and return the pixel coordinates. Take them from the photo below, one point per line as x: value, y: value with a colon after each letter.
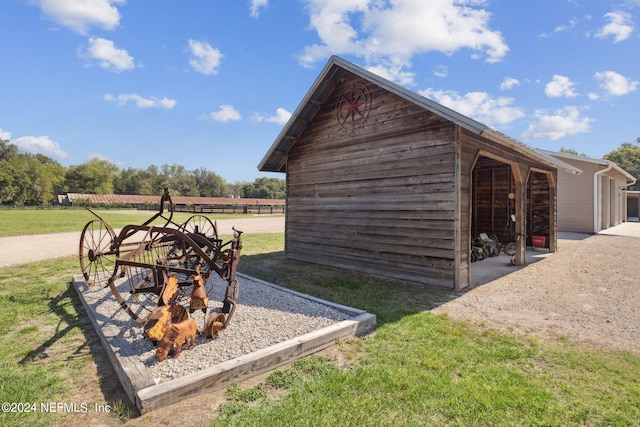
x: 493, y: 201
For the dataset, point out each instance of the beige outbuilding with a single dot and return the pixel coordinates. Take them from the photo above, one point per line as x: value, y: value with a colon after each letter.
x: 596, y: 199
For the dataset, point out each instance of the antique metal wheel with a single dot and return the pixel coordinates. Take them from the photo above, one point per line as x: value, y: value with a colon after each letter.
x: 200, y: 224
x: 98, y: 252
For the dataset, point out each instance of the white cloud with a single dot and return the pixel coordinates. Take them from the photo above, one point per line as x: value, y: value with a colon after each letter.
x: 225, y: 114
x: 509, y: 83
x: 558, y: 124
x: 572, y: 23
x: 281, y: 117
x: 441, y: 71
x: 394, y: 71
x: 80, y: 15
x: 477, y: 105
x: 560, y: 87
x: 40, y: 144
x: 619, y: 27
x: 204, y: 59
x: 615, y: 84
x: 256, y: 5
x: 4, y: 135
x: 152, y: 102
x: 389, y: 34
x: 108, y: 55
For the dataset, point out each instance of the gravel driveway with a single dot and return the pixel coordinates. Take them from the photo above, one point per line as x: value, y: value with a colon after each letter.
x: 588, y: 291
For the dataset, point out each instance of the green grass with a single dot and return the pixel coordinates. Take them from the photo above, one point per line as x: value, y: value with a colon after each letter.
x: 42, y: 337
x: 20, y: 222
x: 417, y: 368
x: 423, y: 369
x: 428, y: 370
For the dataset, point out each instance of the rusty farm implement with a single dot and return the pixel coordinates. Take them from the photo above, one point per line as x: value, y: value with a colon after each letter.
x: 161, y: 267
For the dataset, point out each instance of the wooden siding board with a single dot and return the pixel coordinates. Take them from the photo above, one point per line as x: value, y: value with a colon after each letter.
x: 365, y: 215
x: 389, y: 184
x: 337, y: 168
x: 373, y: 253
x: 370, y: 243
x: 395, y: 271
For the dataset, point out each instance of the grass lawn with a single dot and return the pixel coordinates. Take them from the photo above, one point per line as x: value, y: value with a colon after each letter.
x: 417, y: 368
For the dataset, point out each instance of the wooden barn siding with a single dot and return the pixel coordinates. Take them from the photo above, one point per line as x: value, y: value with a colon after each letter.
x: 378, y: 199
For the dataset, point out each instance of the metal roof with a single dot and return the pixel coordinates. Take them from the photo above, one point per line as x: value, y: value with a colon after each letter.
x: 601, y: 162
x: 276, y: 158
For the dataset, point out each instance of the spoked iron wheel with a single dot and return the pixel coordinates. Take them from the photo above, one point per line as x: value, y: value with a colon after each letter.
x: 200, y: 224
x: 97, y: 252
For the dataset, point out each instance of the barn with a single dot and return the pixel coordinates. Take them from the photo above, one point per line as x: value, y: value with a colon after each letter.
x: 384, y: 181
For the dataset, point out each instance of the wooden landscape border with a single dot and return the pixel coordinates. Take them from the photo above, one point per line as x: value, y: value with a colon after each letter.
x: 140, y: 387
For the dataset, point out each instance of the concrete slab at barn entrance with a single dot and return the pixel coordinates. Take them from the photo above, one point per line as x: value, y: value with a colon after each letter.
x: 492, y: 268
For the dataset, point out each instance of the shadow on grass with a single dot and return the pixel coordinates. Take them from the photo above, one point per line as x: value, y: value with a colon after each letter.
x: 68, y: 320
x: 388, y: 299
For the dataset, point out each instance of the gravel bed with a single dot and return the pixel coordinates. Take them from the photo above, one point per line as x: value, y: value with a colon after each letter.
x: 264, y: 316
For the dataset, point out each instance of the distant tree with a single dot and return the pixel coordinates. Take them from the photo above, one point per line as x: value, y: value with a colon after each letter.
x: 628, y: 158
x: 235, y: 189
x: 28, y: 178
x: 93, y: 177
x: 14, y: 184
x: 265, y: 188
x: 571, y: 151
x: 8, y: 151
x: 47, y: 177
x: 134, y: 181
x: 178, y: 180
x: 210, y: 184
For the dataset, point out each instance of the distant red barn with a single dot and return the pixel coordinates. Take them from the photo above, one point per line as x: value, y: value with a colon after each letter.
x: 181, y: 203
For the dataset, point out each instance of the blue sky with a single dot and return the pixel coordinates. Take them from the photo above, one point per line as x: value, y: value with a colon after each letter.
x: 210, y: 83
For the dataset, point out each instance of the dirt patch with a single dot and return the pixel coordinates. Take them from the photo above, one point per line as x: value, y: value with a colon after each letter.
x: 588, y: 291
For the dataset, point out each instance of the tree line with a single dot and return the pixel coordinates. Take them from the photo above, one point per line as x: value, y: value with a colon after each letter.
x: 627, y: 157
x: 34, y: 179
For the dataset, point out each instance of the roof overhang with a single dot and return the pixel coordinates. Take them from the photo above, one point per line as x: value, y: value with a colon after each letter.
x: 600, y: 162
x: 275, y: 159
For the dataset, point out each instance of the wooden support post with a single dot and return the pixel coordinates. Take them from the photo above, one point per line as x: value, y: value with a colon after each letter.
x: 552, y: 179
x: 521, y: 174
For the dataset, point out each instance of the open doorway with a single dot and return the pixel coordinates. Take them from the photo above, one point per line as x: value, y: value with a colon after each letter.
x: 493, y: 200
x: 494, y: 205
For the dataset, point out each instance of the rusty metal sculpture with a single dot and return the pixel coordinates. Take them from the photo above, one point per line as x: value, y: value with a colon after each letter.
x: 178, y: 335
x: 158, y: 263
